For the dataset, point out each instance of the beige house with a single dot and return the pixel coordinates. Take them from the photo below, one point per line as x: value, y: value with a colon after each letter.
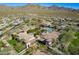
x: 50, y: 37
x: 27, y: 38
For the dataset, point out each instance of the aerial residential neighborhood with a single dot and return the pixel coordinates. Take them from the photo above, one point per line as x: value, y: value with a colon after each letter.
x: 34, y: 29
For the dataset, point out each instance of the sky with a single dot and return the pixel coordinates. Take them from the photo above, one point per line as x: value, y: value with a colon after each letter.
x: 68, y: 5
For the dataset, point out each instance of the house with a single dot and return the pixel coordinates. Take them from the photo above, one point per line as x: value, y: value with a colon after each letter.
x: 16, y: 21
x: 27, y: 38
x: 50, y: 37
x: 5, y: 20
x: 2, y: 26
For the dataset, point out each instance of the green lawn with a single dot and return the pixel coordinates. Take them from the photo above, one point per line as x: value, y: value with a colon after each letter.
x: 18, y: 45
x: 12, y: 42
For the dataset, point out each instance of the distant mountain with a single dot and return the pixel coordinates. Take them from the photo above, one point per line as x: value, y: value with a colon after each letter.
x: 54, y: 7
x: 36, y: 6
x: 38, y: 9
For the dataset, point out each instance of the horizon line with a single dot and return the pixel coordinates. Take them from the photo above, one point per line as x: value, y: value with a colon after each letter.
x: 66, y: 5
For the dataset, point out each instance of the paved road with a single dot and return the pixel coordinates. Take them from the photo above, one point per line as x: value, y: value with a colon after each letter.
x: 22, y: 52
x: 57, y: 51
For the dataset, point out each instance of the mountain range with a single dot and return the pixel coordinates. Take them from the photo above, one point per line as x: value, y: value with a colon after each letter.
x: 37, y: 9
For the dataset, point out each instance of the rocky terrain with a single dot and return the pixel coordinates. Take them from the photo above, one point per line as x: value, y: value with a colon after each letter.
x: 38, y: 30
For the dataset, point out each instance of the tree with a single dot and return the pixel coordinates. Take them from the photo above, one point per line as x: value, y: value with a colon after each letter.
x: 74, y: 45
x: 66, y: 39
